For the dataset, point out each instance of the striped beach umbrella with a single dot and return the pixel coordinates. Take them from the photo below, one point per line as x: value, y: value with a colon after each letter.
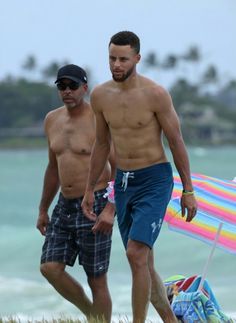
x: 215, y: 222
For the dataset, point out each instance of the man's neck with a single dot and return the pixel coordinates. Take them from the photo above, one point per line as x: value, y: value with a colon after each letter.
x: 131, y: 82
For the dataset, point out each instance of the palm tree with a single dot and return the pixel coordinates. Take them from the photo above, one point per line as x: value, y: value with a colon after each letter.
x: 193, y: 56
x: 210, y: 75
x: 153, y: 65
x: 210, y: 79
x: 151, y: 60
x: 30, y: 64
x: 170, y: 61
x: 50, y: 71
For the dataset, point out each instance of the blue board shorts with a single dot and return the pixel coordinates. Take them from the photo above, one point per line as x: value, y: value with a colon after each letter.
x: 69, y: 235
x: 141, y: 198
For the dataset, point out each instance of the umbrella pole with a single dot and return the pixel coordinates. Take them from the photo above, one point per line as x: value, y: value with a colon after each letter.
x: 210, y: 257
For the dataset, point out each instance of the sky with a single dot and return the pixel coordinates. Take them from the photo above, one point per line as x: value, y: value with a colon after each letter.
x: 79, y: 32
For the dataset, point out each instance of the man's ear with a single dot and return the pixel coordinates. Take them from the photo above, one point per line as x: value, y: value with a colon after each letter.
x: 85, y: 86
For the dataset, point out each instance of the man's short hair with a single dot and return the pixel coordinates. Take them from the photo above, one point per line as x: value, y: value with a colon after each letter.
x: 123, y: 38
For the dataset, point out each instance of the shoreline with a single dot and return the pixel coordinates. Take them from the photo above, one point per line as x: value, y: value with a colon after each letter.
x: 17, y: 143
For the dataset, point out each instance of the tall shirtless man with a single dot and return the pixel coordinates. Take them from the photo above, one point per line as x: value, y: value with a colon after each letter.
x: 70, y: 130
x: 134, y: 111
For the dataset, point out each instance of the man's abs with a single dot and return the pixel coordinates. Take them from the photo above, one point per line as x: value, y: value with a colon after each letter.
x: 135, y: 153
x: 73, y: 176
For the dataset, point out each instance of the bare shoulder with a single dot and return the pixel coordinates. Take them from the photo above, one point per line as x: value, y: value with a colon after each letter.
x: 52, y: 116
x: 153, y: 88
x: 163, y: 98
x: 159, y: 98
x: 98, y: 93
x: 100, y: 89
x: 54, y: 113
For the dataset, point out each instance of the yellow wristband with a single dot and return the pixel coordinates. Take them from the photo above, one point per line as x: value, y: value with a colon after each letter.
x: 185, y: 192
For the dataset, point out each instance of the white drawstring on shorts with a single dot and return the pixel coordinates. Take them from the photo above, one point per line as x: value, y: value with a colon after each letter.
x: 125, y: 179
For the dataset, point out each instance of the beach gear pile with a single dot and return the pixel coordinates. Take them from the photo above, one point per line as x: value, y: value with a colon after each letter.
x: 192, y: 305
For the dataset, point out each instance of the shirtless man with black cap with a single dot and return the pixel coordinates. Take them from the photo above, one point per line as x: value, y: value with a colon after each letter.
x: 70, y: 131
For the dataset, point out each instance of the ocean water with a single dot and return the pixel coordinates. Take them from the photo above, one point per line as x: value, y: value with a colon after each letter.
x: 25, y: 294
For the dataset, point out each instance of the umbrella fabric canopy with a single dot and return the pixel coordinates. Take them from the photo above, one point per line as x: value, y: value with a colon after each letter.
x: 216, y: 204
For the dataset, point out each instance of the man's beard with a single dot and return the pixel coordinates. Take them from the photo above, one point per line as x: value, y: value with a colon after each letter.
x: 70, y: 106
x: 124, y: 76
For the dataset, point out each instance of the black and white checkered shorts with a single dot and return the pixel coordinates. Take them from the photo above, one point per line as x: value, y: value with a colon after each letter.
x: 69, y: 234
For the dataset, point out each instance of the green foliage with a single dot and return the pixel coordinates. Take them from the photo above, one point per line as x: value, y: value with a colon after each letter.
x: 24, y: 103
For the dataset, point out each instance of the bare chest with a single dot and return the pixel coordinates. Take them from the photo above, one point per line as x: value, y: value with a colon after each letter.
x: 131, y: 111
x: 74, y: 137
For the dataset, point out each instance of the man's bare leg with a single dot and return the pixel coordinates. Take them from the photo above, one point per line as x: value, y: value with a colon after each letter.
x: 71, y: 290
x: 102, y: 305
x: 159, y: 297
x: 137, y: 254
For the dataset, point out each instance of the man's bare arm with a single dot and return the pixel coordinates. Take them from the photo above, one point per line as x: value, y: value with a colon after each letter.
x: 112, y: 161
x: 105, y: 220
x: 50, y: 186
x: 169, y: 122
x: 98, y: 159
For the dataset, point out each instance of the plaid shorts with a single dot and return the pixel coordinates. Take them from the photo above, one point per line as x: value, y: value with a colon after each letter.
x: 69, y: 234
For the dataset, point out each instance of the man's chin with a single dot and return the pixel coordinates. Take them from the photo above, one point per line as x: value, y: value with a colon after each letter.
x: 69, y: 106
x: 118, y: 80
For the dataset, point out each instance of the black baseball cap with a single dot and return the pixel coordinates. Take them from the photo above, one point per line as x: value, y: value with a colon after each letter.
x: 72, y: 72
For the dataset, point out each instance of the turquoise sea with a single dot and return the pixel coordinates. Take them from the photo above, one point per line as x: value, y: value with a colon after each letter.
x: 26, y: 295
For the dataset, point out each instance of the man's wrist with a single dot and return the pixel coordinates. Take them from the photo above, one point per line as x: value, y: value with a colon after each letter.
x: 111, y: 208
x: 187, y: 192
x: 43, y: 209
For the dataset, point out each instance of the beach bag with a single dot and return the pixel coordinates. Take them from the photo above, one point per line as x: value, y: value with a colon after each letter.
x: 193, y: 307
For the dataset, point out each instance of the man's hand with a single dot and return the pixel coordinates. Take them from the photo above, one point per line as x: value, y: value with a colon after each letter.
x: 105, y: 220
x: 87, y: 206
x: 188, y: 202
x: 42, y: 223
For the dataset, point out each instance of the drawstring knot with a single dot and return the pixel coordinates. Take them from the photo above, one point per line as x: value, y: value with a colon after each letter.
x: 125, y: 179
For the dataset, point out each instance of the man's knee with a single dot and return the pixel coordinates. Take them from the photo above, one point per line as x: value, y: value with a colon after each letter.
x: 137, y: 254
x: 51, y: 269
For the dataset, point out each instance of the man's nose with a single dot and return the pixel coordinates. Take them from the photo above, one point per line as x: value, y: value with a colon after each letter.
x: 67, y: 89
x: 117, y: 62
